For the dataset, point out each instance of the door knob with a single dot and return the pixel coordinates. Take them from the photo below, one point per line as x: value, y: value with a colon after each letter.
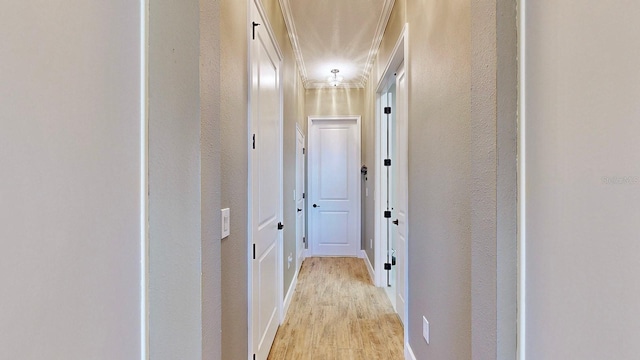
x: 315, y: 206
x: 299, y: 210
x: 396, y: 222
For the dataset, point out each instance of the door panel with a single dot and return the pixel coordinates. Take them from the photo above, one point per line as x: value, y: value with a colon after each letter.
x: 266, y: 189
x: 334, y: 163
x: 400, y: 186
x: 334, y: 186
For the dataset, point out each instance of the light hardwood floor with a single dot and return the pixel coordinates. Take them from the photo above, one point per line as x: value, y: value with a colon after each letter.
x: 337, y: 313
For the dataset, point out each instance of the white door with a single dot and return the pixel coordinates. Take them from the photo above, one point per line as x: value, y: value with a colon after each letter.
x: 400, y: 190
x: 300, y: 197
x: 266, y: 188
x: 334, y: 185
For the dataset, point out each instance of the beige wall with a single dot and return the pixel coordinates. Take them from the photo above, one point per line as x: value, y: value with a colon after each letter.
x: 233, y: 109
x: 582, y: 179
x: 210, y: 190
x: 334, y: 101
x: 233, y: 163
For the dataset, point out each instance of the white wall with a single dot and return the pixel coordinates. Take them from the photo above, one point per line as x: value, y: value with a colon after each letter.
x: 582, y: 179
x: 69, y: 180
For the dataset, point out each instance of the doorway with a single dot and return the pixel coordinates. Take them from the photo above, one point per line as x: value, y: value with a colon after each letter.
x: 392, y: 180
x: 334, y: 186
x: 265, y: 187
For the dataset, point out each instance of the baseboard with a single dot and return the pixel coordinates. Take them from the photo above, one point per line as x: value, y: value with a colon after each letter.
x: 408, y: 352
x: 363, y: 254
x: 289, y: 297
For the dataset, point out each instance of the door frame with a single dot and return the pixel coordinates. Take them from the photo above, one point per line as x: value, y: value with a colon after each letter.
x: 399, y: 55
x: 300, y: 134
x: 249, y: 240
x: 358, y: 121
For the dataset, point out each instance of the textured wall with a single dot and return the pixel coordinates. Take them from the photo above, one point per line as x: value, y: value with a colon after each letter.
x: 174, y: 180
x: 582, y: 160
x: 70, y: 180
x: 233, y: 163
x: 440, y: 177
x: 493, y: 198
x: 210, y: 178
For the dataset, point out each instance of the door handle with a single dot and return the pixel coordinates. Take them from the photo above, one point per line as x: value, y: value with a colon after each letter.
x: 299, y: 210
x: 280, y: 226
x: 396, y: 222
x: 315, y: 206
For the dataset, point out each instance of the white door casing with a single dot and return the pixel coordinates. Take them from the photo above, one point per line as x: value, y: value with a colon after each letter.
x: 300, y: 196
x: 400, y: 189
x: 334, y: 185
x: 265, y: 190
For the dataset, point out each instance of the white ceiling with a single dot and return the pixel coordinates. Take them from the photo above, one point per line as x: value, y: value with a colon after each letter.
x: 335, y: 34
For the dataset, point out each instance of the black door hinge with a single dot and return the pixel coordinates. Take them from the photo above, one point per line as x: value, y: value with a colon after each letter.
x: 280, y: 226
x: 254, y: 34
x: 387, y: 266
x: 254, y: 141
x: 304, y: 195
x: 304, y: 151
x: 387, y: 214
x: 387, y: 110
x: 254, y: 251
x: 304, y: 240
x: 254, y: 356
x: 387, y: 162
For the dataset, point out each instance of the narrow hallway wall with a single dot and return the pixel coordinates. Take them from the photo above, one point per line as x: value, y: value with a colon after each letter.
x: 175, y: 301
x: 210, y: 188
x: 70, y: 140
x: 582, y: 152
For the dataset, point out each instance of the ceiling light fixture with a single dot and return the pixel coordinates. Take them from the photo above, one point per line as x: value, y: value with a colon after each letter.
x: 334, y: 80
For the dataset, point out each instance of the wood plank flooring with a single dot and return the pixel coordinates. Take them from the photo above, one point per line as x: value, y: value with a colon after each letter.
x: 337, y: 314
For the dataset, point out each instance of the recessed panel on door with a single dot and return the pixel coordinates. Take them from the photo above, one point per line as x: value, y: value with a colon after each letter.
x: 334, y: 161
x: 335, y: 225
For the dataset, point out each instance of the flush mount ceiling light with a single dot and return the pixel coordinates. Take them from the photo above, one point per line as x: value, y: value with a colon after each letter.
x: 334, y: 80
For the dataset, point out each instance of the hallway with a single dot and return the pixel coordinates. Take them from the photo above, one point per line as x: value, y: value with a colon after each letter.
x: 337, y: 313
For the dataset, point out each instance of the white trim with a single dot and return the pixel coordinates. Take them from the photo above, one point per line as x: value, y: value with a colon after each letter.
x: 363, y: 255
x: 381, y: 26
x: 289, y: 297
x: 304, y: 200
x: 522, y: 243
x: 280, y: 270
x: 408, y: 352
x: 144, y: 180
x: 358, y: 120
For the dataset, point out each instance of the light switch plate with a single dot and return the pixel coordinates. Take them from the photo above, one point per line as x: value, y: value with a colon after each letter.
x: 425, y: 329
x: 226, y: 223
